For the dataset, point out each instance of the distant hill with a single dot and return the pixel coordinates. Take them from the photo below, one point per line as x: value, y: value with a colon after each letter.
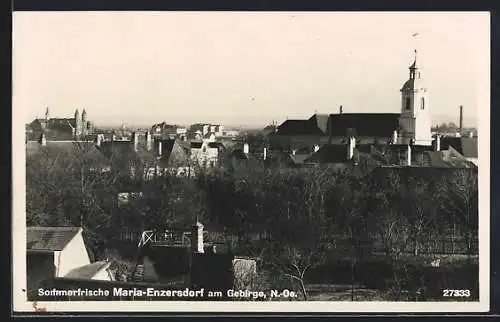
x: 442, y: 118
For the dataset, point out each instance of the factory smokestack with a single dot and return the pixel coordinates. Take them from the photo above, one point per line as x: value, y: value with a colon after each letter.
x: 461, y: 121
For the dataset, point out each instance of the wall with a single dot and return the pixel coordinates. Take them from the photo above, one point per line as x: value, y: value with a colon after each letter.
x: 39, y: 267
x: 72, y: 256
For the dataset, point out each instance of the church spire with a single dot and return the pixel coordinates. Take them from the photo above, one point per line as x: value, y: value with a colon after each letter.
x: 414, y: 65
x: 414, y: 73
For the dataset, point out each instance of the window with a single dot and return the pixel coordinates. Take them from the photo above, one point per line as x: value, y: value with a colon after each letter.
x: 407, y: 103
x: 422, y: 103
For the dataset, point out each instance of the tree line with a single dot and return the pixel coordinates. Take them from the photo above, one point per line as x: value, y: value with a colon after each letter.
x: 292, y: 219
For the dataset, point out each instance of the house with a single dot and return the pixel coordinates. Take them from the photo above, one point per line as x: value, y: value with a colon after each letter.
x: 167, y: 130
x: 205, y: 153
x: 152, y: 156
x: 59, y: 252
x: 172, y: 155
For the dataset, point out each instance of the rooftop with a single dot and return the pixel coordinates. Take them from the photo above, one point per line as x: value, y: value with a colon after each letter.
x: 49, y: 238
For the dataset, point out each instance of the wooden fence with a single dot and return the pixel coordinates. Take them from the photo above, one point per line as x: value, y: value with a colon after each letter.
x: 446, y: 245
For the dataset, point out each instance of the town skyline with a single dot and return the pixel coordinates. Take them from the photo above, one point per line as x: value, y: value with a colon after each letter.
x: 269, y: 67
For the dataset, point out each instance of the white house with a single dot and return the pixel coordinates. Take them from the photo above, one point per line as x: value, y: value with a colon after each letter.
x: 56, y: 252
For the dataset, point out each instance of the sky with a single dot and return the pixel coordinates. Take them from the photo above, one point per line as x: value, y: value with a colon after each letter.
x: 245, y: 68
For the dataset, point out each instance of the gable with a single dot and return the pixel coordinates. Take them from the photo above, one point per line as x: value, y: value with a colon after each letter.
x: 321, y: 121
x: 176, y: 155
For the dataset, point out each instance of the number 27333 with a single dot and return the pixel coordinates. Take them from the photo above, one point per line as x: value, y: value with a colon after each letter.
x: 456, y: 293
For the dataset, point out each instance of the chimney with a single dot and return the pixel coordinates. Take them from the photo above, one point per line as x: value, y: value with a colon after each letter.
x: 461, y: 120
x: 340, y: 109
x: 315, y: 148
x: 265, y: 153
x: 408, y: 155
x: 43, y: 140
x: 197, y: 238
x: 148, y: 140
x: 135, y: 140
x: 351, y: 144
x: 246, y: 148
x: 471, y: 134
x: 437, y: 143
x: 395, y: 137
x: 160, y: 148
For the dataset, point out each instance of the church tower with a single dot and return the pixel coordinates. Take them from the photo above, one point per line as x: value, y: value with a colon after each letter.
x: 415, y: 119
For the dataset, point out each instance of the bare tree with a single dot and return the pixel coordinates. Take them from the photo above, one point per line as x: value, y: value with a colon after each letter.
x: 300, y: 232
x: 461, y: 203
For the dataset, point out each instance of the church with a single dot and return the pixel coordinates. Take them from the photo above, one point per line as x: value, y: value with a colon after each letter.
x: 60, y: 129
x: 412, y: 125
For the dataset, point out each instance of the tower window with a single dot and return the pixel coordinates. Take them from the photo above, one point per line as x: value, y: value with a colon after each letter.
x: 407, y: 103
x: 422, y: 103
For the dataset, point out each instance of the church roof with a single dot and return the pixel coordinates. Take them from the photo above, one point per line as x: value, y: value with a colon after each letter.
x: 357, y: 124
x: 299, y: 127
x: 364, y: 124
